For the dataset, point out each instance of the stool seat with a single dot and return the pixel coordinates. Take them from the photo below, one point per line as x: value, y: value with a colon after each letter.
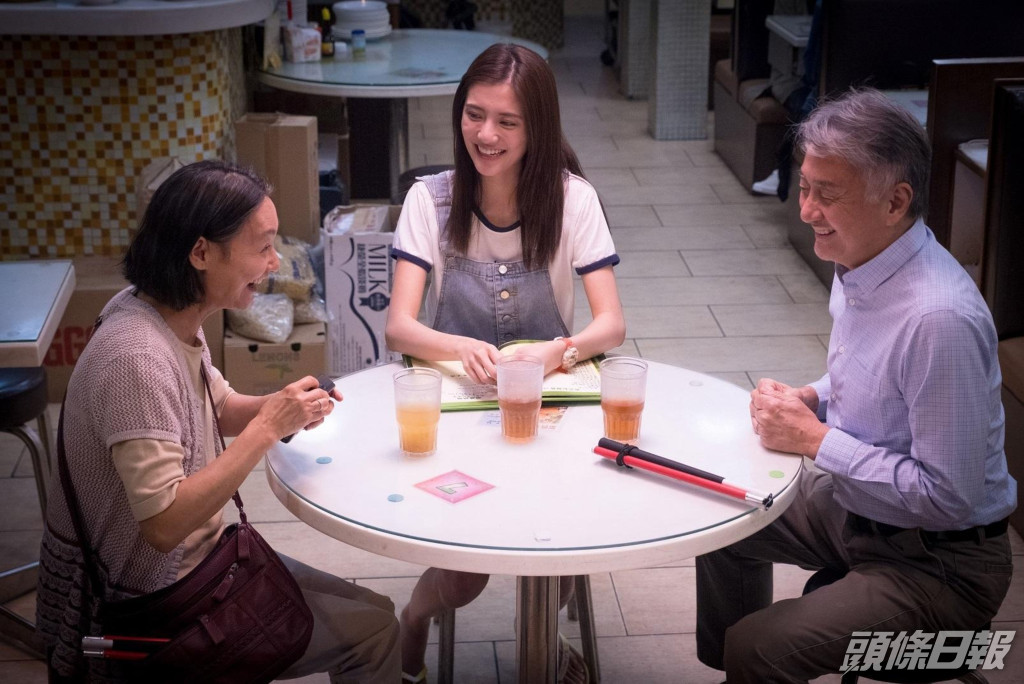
x: 22, y: 395
x: 22, y: 400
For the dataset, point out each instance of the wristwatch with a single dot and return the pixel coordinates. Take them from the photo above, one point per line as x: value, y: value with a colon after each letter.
x: 571, y: 354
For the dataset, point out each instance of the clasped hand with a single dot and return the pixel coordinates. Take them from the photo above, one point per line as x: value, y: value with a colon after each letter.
x: 299, y: 405
x: 784, y: 419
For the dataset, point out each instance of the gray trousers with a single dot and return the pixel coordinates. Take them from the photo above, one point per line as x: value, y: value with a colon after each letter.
x: 355, y: 632
x: 896, y: 583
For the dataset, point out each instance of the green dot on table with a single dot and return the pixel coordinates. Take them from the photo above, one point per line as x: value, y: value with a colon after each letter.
x: 776, y: 474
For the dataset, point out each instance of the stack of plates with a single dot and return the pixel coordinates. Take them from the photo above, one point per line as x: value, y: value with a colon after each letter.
x: 367, y: 15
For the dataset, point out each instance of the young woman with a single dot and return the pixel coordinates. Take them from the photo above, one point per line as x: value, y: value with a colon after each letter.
x: 501, y: 237
x: 142, y: 448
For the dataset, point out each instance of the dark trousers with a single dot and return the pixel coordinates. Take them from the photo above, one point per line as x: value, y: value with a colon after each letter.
x: 798, y: 105
x: 893, y: 583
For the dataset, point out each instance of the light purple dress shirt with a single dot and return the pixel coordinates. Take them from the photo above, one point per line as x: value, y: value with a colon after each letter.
x: 912, y: 392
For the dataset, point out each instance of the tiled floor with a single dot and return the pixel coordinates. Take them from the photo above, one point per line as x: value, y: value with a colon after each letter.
x: 708, y: 281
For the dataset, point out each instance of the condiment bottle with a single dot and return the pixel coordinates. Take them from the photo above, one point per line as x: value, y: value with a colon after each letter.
x: 326, y: 39
x: 358, y: 44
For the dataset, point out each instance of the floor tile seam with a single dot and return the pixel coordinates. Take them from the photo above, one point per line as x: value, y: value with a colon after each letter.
x: 618, y: 602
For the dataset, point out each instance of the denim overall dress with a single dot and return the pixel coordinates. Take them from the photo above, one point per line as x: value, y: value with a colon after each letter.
x: 495, y: 302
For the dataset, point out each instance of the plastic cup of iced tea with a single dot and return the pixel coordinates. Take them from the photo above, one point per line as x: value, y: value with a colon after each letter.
x: 520, y: 380
x: 417, y: 410
x: 623, y: 391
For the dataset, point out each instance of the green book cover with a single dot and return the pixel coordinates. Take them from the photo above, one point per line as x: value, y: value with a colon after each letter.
x: 458, y: 393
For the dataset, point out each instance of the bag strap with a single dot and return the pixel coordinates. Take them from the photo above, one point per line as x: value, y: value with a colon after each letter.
x: 220, y: 435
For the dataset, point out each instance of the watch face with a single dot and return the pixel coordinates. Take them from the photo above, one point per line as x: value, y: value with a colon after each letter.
x: 569, y: 358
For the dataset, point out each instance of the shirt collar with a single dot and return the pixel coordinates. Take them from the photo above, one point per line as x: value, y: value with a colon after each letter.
x: 876, y: 271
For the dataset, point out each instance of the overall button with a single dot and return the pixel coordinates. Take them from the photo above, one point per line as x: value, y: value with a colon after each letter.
x: 503, y: 269
x: 506, y: 318
x: 508, y: 336
x: 504, y: 294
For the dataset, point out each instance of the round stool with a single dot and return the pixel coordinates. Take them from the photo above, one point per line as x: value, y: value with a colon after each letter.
x: 23, y: 399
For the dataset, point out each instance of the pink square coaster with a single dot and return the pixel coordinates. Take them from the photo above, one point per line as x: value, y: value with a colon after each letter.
x: 454, y: 486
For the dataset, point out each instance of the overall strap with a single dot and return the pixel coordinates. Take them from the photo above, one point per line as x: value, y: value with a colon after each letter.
x: 439, y: 186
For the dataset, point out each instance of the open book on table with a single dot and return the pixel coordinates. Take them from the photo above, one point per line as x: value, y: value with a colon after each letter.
x: 458, y: 393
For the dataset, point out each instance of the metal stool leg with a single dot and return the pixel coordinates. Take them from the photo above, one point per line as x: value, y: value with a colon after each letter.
x: 446, y: 647
x: 35, y: 450
x: 14, y: 628
x: 44, y: 439
x: 588, y: 634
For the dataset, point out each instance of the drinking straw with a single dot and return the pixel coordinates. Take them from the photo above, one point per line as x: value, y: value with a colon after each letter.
x: 629, y: 455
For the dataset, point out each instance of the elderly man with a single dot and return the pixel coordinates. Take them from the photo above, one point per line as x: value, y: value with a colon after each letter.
x: 909, y: 499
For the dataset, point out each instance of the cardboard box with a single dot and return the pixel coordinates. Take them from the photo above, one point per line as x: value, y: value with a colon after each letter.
x: 283, y: 148
x: 358, y: 272
x: 254, y: 367
x: 97, y: 279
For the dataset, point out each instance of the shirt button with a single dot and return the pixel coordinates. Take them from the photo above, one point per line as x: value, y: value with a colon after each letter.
x: 503, y: 269
x: 832, y: 397
x: 851, y: 301
x: 504, y: 294
x: 842, y: 349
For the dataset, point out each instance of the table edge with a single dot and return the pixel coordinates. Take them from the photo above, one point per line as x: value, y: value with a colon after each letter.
x: 529, y: 563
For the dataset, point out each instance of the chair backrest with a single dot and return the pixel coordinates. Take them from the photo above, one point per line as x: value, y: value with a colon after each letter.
x: 1003, y: 264
x: 959, y: 109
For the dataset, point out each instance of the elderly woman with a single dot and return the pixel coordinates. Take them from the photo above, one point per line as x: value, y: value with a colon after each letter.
x: 141, y: 440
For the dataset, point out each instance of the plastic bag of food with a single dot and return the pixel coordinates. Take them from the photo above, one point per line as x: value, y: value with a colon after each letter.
x: 313, y: 311
x: 270, y: 318
x: 296, y: 276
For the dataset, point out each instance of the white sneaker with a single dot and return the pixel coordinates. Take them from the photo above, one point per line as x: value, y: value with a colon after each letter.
x: 768, y: 186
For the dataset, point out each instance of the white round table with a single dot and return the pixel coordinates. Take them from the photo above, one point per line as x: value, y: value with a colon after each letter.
x: 554, y: 507
x: 406, y: 63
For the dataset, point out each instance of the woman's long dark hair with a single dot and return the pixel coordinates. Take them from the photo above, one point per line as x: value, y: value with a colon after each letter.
x: 540, y: 194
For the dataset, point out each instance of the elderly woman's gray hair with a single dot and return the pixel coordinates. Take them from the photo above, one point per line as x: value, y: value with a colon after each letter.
x: 877, y: 137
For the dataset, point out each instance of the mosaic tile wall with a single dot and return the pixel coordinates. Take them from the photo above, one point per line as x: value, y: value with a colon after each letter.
x: 432, y: 12
x: 539, y: 21
x: 89, y: 113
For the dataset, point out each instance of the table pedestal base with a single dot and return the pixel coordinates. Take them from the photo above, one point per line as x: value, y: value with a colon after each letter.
x: 374, y: 172
x: 537, y: 629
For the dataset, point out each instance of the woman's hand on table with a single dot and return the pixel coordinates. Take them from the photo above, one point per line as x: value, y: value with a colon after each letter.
x: 550, y: 353
x: 478, y: 359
